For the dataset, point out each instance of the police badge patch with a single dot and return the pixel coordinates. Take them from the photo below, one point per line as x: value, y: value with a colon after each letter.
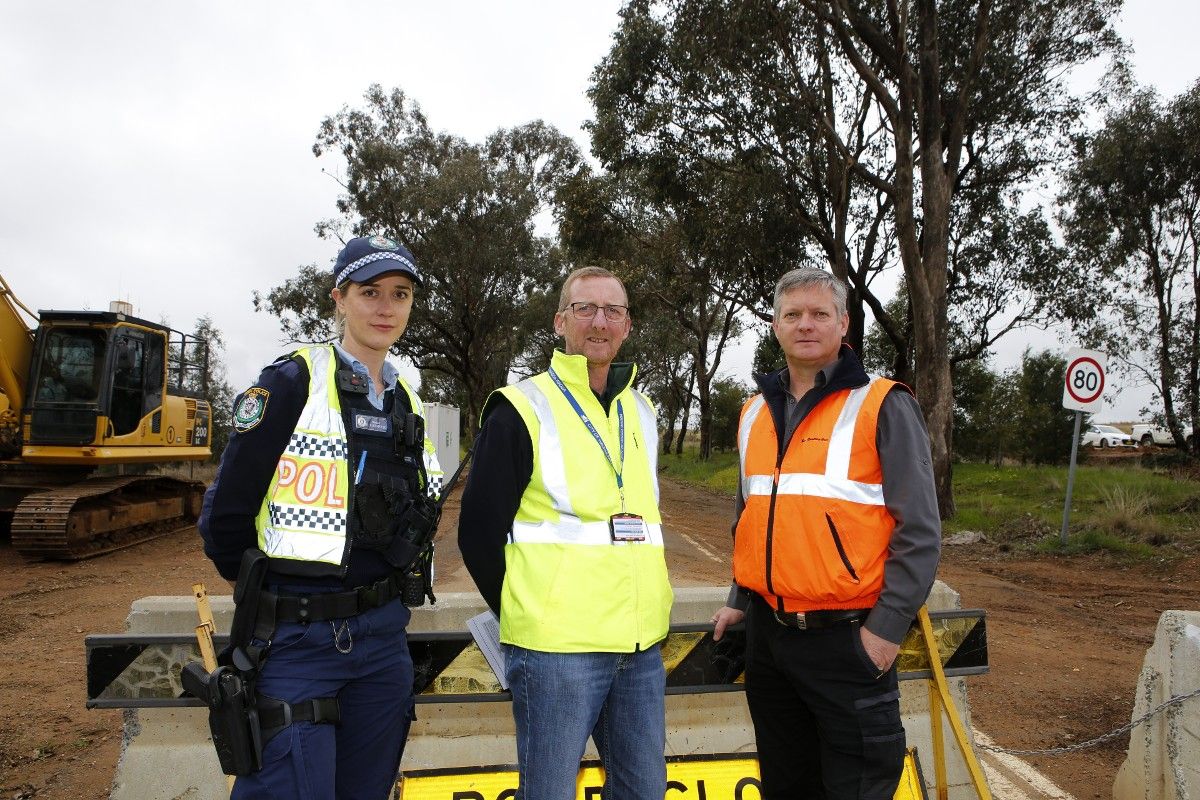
x: 382, y: 243
x: 250, y: 409
x: 372, y: 424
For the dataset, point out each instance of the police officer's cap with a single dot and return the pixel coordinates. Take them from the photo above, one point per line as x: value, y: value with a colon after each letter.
x: 365, y: 258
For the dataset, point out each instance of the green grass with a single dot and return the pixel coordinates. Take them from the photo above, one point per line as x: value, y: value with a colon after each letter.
x: 1126, y: 510
x: 719, y: 473
x: 1109, y: 503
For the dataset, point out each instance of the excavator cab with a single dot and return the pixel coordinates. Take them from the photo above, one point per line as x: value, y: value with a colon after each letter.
x: 110, y: 388
x: 84, y: 394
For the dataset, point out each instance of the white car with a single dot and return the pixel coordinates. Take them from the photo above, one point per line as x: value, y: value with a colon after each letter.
x: 1147, y: 435
x: 1105, y: 436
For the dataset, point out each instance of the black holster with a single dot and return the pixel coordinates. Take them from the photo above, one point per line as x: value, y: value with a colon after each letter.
x: 232, y: 716
x: 228, y: 691
x: 241, y: 720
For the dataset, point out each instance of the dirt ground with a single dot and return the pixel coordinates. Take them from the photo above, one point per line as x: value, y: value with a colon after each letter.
x: 1066, y: 635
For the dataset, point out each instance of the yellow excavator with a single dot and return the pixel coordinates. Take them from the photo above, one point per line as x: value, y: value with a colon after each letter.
x: 86, y: 397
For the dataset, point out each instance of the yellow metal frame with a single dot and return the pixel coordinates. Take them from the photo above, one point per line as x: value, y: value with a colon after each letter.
x: 99, y: 454
x: 939, y: 701
x: 204, y: 637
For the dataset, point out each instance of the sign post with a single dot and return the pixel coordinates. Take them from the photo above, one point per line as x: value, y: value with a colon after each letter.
x: 1083, y: 391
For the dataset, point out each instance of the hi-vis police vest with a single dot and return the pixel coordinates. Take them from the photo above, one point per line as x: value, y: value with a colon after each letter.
x: 814, y: 531
x: 304, y: 515
x: 570, y: 584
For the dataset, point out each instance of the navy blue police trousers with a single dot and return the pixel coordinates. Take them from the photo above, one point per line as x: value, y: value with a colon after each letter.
x: 364, y: 662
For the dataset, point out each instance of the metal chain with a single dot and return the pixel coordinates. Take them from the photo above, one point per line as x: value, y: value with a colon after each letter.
x: 1057, y: 751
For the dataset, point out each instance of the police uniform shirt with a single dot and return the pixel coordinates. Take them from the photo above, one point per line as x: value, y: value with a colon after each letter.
x: 232, y: 502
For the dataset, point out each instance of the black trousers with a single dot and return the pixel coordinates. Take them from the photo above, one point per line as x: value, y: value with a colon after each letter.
x: 827, y: 728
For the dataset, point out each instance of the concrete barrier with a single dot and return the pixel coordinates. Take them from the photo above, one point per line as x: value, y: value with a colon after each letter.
x: 1163, y: 762
x: 167, y: 753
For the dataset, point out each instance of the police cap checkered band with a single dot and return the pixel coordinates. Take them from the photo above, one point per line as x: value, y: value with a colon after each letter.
x: 367, y: 257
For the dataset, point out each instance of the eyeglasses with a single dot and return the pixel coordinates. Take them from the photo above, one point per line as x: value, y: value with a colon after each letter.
x: 587, y: 311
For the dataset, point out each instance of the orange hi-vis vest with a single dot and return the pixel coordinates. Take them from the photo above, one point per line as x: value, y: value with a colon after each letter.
x: 814, y: 531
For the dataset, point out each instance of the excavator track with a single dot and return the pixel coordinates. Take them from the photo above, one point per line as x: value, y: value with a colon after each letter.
x: 99, y: 515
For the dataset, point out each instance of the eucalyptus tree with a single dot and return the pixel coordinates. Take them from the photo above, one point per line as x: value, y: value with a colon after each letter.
x: 877, y: 126
x: 468, y: 211
x: 684, y: 243
x: 1131, y: 211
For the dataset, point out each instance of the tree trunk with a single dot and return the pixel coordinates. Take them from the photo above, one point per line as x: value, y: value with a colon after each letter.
x: 668, y: 436
x: 931, y: 349
x: 924, y: 249
x: 687, y: 412
x: 704, y: 400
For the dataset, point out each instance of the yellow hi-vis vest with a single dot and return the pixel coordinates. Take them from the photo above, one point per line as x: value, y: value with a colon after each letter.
x: 568, y: 587
x: 304, y: 513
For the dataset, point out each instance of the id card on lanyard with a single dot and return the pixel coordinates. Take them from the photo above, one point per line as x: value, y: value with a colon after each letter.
x: 627, y: 528
x: 622, y: 527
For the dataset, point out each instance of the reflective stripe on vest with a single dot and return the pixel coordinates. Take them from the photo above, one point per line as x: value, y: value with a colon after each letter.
x: 835, y: 483
x: 568, y: 531
x: 433, y: 467
x: 553, y: 466
x: 304, y: 514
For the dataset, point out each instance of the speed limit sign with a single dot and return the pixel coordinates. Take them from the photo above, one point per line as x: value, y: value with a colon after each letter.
x: 1084, y: 389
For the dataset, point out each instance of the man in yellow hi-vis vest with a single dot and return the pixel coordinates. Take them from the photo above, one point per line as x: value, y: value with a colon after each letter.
x: 561, y: 531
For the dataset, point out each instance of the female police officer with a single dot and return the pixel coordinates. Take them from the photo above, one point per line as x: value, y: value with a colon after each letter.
x: 326, y: 468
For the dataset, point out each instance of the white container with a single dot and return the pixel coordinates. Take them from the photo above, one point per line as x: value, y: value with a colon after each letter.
x: 441, y: 425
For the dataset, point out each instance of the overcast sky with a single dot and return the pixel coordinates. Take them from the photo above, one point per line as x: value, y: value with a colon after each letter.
x: 161, y: 152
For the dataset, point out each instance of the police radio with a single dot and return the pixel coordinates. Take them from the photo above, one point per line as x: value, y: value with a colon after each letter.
x: 417, y: 539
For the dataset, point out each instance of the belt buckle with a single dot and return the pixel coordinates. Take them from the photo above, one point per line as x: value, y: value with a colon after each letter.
x: 797, y: 619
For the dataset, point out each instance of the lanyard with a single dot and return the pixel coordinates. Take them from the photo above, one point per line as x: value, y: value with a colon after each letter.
x: 596, y: 434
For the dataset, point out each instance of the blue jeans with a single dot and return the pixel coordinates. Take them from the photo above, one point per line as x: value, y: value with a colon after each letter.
x: 559, y: 699
x: 359, y: 758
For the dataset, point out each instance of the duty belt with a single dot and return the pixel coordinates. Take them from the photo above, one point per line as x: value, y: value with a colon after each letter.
x: 319, y: 607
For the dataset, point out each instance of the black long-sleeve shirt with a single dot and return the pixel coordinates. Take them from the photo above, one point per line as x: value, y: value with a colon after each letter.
x: 500, y: 470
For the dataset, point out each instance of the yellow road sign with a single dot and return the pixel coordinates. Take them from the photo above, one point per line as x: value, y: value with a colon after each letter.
x: 718, y: 777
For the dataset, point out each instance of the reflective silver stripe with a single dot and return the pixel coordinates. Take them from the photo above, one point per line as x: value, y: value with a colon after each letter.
x: 835, y: 483
x: 841, y: 440
x: 433, y: 468
x: 572, y: 531
x: 318, y: 383
x: 305, y: 545
x: 813, y: 485
x: 869, y: 494
x: 748, y: 418
x: 757, y: 485
x: 649, y: 423
x: 550, y: 452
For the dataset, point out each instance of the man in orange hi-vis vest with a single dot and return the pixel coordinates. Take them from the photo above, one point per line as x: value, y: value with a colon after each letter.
x: 836, y: 544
